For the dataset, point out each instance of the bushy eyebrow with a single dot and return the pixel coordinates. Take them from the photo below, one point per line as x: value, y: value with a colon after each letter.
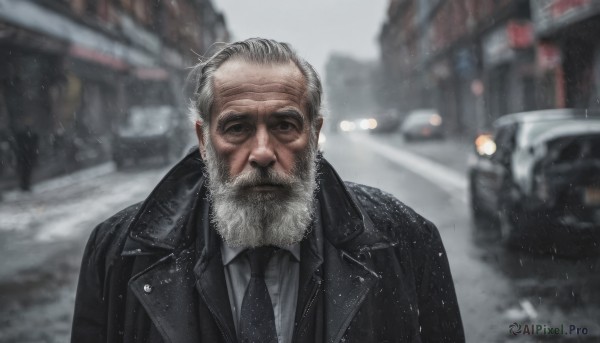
x: 289, y: 113
x: 231, y: 116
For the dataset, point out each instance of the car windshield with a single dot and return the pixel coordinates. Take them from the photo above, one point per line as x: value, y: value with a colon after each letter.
x: 147, y: 120
x: 536, y: 132
x: 420, y: 117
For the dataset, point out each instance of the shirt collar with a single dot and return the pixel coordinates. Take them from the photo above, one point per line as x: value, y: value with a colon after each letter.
x: 229, y: 254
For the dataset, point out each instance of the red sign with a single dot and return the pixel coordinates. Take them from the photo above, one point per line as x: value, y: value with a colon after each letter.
x: 520, y: 35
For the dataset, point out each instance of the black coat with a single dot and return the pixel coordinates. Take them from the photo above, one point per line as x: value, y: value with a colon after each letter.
x: 372, y: 271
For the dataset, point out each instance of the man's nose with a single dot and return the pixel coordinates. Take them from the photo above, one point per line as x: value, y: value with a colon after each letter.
x: 263, y: 154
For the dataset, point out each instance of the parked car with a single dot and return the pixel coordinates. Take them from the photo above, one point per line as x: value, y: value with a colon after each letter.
x: 148, y: 131
x: 385, y: 121
x: 537, y: 176
x: 422, y: 124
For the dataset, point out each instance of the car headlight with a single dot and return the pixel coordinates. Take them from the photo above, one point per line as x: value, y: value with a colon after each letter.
x: 347, y: 126
x: 372, y: 124
x: 485, y: 145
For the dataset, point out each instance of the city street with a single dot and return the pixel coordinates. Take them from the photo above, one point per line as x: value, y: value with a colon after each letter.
x: 42, y: 236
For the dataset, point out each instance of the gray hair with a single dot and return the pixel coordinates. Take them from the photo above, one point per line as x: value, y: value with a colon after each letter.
x: 255, y: 50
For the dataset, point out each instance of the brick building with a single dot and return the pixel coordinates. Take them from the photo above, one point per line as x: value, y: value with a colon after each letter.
x: 476, y: 60
x: 70, y: 68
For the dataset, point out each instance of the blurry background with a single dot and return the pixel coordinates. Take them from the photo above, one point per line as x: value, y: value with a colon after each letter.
x: 93, y: 112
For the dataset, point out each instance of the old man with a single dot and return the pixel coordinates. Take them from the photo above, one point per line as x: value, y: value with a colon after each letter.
x: 254, y: 237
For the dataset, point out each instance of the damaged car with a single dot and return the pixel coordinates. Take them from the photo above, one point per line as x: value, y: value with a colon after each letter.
x: 536, y: 179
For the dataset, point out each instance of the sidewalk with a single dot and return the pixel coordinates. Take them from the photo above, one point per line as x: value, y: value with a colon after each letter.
x: 50, y: 166
x: 9, y: 190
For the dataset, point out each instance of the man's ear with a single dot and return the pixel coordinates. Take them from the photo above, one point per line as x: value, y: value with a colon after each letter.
x: 319, y: 125
x: 201, y: 138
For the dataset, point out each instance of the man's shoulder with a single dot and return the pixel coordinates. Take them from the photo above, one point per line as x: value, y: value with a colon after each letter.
x: 390, y: 215
x: 111, y: 232
x: 119, y: 220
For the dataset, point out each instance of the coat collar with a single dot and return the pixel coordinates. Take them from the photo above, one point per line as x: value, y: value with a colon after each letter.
x: 345, y: 221
x: 160, y: 222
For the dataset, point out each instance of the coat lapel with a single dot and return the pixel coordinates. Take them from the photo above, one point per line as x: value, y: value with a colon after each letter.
x: 164, y: 226
x: 347, y: 283
x: 212, y: 287
x: 177, y: 280
x: 210, y: 278
x: 166, y: 291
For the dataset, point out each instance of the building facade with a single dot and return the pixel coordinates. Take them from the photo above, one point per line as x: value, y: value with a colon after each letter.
x: 350, y: 85
x: 69, y: 69
x: 476, y: 60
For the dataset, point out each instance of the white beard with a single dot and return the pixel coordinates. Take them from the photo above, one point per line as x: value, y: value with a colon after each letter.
x: 251, y: 219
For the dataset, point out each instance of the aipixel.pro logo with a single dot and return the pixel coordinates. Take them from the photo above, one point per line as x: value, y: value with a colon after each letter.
x: 545, y: 330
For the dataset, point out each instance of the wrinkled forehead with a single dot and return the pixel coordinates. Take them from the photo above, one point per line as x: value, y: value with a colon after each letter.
x: 237, y: 77
x: 242, y: 70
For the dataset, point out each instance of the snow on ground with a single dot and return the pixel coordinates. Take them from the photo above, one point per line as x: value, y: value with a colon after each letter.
x: 42, y: 235
x: 61, y: 205
x: 59, y: 212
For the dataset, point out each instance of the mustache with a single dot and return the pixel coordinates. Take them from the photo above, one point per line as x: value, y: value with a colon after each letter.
x: 263, y: 177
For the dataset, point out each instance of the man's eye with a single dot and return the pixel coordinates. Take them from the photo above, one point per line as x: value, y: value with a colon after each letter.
x: 236, y: 128
x: 285, y: 126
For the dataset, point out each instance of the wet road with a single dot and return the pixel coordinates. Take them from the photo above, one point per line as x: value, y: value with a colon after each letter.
x: 42, y: 237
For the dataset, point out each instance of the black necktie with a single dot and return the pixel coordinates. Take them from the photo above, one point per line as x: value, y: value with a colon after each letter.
x: 257, y: 321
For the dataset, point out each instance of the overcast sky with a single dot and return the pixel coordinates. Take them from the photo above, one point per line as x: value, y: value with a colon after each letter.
x: 316, y: 28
